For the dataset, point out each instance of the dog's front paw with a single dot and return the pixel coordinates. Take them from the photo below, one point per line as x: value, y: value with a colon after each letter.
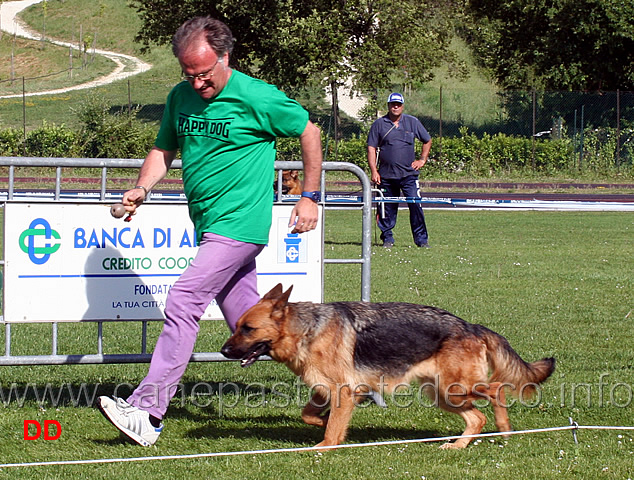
x: 452, y: 446
x: 325, y: 444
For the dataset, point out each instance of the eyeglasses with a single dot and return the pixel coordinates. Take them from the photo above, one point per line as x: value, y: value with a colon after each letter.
x: 202, y: 76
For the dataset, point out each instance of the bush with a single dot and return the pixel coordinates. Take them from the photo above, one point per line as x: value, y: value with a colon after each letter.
x: 11, y: 142
x: 108, y: 133
x: 288, y: 150
x: 600, y: 147
x: 112, y: 134
x: 51, y: 141
x: 353, y: 150
x: 500, y: 155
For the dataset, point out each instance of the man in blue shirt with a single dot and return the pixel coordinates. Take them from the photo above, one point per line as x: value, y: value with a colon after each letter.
x: 394, y: 166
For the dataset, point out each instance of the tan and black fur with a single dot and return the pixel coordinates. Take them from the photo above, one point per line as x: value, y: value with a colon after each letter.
x: 343, y: 350
x: 291, y: 183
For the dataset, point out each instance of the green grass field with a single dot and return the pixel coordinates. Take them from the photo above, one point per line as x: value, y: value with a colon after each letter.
x: 51, y: 72
x: 555, y: 284
x: 112, y: 24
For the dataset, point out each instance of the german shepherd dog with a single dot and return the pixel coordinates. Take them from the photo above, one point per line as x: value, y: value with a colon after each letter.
x: 344, y: 350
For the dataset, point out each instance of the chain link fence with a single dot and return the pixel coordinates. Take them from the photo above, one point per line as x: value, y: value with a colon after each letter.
x: 589, y: 121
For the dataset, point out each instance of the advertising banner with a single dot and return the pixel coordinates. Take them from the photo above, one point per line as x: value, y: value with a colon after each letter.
x: 75, y: 262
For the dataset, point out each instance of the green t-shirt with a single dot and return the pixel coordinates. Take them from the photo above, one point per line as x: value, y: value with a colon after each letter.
x: 228, y: 150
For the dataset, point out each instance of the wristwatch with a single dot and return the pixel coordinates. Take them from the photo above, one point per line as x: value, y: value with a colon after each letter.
x: 314, y: 196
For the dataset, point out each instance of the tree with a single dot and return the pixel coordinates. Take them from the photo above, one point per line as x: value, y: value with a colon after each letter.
x: 555, y: 44
x: 292, y: 42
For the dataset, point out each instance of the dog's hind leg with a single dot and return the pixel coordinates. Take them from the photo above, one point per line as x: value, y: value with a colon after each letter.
x: 474, y: 420
x: 313, y: 412
x: 498, y: 401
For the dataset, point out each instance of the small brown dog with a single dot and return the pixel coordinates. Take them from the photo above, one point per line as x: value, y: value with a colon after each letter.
x: 291, y: 183
x: 344, y: 350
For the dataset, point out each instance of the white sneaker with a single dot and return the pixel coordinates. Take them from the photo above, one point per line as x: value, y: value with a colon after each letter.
x: 132, y: 421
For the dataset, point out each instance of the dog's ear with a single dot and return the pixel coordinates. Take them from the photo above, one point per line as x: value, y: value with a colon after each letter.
x: 274, y: 293
x: 279, y: 306
x: 295, y: 174
x: 284, y: 297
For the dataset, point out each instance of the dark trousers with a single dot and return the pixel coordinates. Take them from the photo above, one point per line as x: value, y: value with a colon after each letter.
x: 392, y: 188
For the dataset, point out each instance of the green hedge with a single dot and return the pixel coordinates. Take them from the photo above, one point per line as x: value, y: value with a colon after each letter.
x: 105, y: 134
x: 11, y: 142
x: 497, y: 155
x: 502, y: 154
x: 52, y: 141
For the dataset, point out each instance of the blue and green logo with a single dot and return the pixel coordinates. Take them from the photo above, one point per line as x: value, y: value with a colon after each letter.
x: 41, y: 253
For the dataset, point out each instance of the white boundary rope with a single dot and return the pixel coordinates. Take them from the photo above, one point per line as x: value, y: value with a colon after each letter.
x: 573, y: 426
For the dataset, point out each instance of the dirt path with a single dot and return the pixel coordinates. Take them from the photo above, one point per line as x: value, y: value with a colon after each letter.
x: 125, y: 65
x: 351, y: 104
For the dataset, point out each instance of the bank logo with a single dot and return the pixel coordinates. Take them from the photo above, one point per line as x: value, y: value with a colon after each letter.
x: 45, y: 247
x: 294, y: 249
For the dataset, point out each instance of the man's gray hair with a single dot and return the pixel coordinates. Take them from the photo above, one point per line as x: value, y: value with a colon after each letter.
x: 216, y: 33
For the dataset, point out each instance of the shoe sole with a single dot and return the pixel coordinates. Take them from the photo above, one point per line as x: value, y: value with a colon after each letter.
x: 128, y: 433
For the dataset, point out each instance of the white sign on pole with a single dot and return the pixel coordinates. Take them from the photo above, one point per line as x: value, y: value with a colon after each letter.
x: 75, y: 262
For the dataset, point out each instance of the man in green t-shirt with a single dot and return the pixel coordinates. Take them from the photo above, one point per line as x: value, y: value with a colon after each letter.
x: 225, y: 124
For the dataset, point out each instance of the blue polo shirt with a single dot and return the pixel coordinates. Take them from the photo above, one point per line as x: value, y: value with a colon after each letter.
x: 397, y: 147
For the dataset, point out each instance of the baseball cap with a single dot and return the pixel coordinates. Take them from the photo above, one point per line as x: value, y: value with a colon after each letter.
x: 395, y: 97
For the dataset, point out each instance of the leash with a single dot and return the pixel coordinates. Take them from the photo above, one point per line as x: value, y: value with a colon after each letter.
x: 378, y: 153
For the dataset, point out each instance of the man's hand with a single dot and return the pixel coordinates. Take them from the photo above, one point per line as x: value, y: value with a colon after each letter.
x: 304, y: 216
x: 418, y: 164
x: 132, y: 199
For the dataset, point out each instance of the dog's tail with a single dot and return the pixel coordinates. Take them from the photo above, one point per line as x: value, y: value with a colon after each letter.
x: 509, y: 368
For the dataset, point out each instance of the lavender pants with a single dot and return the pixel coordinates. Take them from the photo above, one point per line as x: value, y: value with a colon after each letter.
x: 223, y: 269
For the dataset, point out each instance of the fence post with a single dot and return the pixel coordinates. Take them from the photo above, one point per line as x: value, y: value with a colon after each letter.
x: 12, y: 74
x: 440, y: 126
x: 129, y: 100
x: 581, y: 139
x: 618, y: 128
x: 24, y: 111
x: 534, y: 132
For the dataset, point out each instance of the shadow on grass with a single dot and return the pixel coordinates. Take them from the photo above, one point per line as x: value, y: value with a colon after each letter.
x: 291, y: 429
x: 203, y: 395
x: 211, y: 417
x: 59, y: 394
x: 331, y: 242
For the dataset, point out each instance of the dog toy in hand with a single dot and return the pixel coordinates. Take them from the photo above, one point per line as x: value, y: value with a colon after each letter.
x: 118, y: 210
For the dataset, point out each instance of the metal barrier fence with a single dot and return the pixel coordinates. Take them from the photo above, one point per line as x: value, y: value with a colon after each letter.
x: 54, y: 358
